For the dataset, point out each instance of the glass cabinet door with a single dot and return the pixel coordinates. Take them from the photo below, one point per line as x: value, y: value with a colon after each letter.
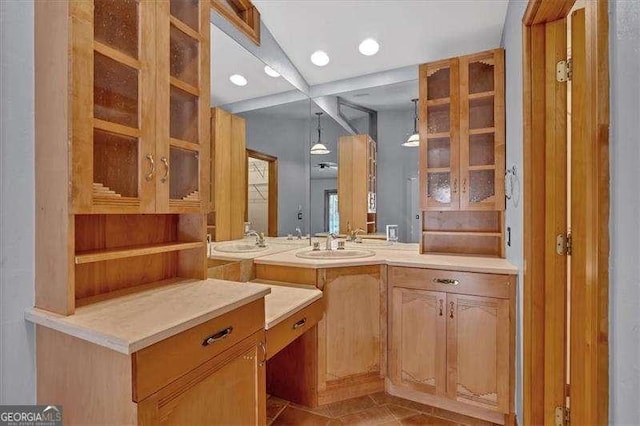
x: 183, y: 104
x: 482, y: 132
x: 439, y: 135
x: 113, y: 127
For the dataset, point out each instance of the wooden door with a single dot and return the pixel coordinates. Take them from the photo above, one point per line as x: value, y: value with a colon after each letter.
x: 228, y: 390
x: 112, y: 108
x: 182, y: 113
x: 478, y: 351
x: 439, y: 135
x: 482, y: 129
x: 417, y: 357
x: 353, y: 182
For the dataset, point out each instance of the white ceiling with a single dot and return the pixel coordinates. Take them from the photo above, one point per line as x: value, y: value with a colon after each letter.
x: 390, y: 97
x: 409, y: 32
x: 227, y: 58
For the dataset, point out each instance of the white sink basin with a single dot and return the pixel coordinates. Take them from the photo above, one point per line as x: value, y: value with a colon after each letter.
x: 335, y: 254
x: 238, y: 248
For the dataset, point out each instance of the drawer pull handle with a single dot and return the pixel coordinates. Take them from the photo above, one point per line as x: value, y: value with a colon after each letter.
x: 441, y: 303
x: 300, y: 323
x: 451, y: 309
x: 222, y: 334
x: 446, y: 281
x: 264, y: 353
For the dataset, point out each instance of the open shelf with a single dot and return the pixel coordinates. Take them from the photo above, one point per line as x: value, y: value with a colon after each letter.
x: 132, y: 251
x: 463, y: 233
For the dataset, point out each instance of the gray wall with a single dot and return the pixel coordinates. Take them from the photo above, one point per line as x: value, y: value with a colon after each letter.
x: 287, y: 139
x: 512, y: 42
x: 395, y: 165
x: 624, y: 278
x: 17, y: 367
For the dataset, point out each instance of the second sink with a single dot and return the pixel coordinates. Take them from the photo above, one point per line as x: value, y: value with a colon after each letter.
x: 238, y: 248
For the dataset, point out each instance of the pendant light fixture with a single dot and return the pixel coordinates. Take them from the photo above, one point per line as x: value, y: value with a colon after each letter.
x: 319, y: 148
x: 414, y: 138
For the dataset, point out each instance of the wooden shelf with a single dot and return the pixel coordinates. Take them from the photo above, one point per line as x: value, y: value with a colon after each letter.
x: 179, y: 143
x: 438, y: 135
x: 185, y: 28
x: 132, y: 251
x: 185, y: 87
x: 483, y: 167
x: 463, y: 233
x: 482, y: 131
x: 440, y: 101
x: 481, y: 95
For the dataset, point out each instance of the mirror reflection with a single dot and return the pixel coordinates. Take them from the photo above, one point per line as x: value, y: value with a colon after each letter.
x: 369, y: 180
x: 260, y: 138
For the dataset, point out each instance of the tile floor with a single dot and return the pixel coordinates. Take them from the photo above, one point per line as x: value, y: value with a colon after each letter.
x: 375, y: 409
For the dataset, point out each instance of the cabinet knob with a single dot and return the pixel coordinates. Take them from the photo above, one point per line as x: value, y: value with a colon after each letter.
x: 152, y: 164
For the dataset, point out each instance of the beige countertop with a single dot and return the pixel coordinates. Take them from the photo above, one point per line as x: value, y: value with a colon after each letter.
x: 285, y: 300
x: 129, y: 323
x: 396, y: 257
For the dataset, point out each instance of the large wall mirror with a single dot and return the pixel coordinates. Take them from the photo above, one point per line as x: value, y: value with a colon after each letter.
x: 261, y: 126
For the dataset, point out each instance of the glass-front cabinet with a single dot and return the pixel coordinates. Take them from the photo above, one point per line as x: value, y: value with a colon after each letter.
x: 138, y: 117
x: 482, y: 145
x: 462, y: 132
x: 439, y: 134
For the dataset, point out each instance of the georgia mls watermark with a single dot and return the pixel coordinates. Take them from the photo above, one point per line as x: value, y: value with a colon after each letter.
x: 30, y: 415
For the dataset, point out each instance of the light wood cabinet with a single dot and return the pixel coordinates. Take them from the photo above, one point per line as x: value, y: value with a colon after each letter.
x: 462, y: 154
x: 357, y: 185
x: 345, y: 355
x: 418, y: 343
x: 177, y: 381
x: 139, y: 109
x: 122, y: 133
x: 452, y: 340
x: 228, y: 177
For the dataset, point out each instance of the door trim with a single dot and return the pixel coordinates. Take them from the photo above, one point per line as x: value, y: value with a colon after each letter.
x: 272, y: 226
x: 593, y: 402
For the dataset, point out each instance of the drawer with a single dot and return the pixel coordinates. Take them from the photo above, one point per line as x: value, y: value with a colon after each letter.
x: 293, y: 327
x: 160, y: 364
x: 472, y: 283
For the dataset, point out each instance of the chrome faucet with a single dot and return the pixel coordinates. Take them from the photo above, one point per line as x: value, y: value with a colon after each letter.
x: 259, y: 237
x: 353, y: 235
x: 299, y: 233
x: 330, y: 237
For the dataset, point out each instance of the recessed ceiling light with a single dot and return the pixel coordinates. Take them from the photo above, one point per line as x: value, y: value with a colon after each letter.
x: 369, y: 47
x: 320, y: 58
x: 271, y: 72
x: 238, y: 80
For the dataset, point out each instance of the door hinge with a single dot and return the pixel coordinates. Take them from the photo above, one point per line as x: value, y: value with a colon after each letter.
x: 564, y: 70
x: 563, y: 244
x: 562, y: 416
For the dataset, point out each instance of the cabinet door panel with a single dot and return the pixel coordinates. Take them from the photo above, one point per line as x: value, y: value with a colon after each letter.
x: 113, y: 128
x: 183, y: 105
x: 478, y: 351
x: 482, y: 131
x: 439, y: 135
x: 350, y: 333
x: 418, y: 344
x: 233, y: 393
